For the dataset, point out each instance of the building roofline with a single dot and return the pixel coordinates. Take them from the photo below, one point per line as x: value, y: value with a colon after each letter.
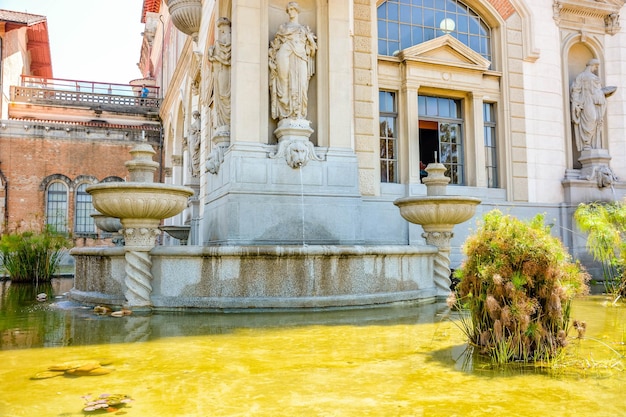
x: 22, y: 18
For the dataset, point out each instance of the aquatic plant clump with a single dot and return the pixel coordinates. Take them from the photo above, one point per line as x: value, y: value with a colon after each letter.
x: 517, y: 283
x: 605, y: 225
x: 32, y: 257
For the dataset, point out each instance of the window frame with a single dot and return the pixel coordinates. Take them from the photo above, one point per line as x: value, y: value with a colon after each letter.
x: 412, y: 73
x: 389, y: 114
x: 57, y: 205
x: 82, y: 213
x: 460, y: 178
x: 392, y: 39
x: 490, y: 124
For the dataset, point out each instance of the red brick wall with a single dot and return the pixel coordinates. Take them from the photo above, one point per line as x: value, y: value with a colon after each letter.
x: 26, y: 162
x: 504, y: 7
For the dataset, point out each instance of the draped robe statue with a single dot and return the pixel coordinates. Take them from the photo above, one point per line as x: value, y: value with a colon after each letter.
x: 220, y: 54
x: 588, y: 99
x: 194, y: 144
x: 292, y: 63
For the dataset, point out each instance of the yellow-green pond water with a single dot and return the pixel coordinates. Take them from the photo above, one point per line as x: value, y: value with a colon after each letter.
x: 395, y: 361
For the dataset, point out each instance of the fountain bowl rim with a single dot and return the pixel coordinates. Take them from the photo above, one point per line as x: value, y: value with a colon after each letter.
x: 436, y: 199
x: 140, y: 187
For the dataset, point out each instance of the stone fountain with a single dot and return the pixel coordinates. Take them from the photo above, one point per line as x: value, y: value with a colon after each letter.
x: 144, y: 276
x: 438, y: 213
x: 140, y: 205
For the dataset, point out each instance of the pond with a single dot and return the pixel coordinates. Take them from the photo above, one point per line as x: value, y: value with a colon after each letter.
x: 392, y: 361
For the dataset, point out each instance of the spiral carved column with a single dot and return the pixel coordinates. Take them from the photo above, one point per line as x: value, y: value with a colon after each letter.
x: 442, y: 260
x: 138, y: 280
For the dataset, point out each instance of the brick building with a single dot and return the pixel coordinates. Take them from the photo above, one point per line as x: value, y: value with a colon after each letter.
x: 58, y: 136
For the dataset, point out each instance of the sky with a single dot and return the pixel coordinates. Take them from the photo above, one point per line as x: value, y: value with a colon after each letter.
x: 90, y: 40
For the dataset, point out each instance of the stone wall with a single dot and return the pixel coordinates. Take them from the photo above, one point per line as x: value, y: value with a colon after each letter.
x: 31, y: 152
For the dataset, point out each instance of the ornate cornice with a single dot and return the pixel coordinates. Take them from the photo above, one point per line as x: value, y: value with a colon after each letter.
x: 593, y: 16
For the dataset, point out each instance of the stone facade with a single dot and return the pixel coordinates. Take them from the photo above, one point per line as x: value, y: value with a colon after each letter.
x: 537, y: 48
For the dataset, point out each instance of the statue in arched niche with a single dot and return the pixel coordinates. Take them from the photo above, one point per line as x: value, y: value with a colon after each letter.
x: 291, y: 63
x: 588, y: 99
x: 220, y: 56
x: 193, y: 144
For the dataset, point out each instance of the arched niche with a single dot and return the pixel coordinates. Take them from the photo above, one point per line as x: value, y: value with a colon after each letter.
x: 308, y: 16
x: 578, y: 53
x: 179, y: 137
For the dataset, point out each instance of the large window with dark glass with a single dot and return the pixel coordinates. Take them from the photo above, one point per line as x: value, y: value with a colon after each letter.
x: 491, y: 154
x: 441, y: 135
x: 404, y: 23
x: 388, y: 137
x: 56, y: 207
x: 83, y: 222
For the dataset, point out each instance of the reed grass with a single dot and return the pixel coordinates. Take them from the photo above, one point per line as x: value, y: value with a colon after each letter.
x: 605, y: 225
x: 32, y: 257
x: 517, y: 284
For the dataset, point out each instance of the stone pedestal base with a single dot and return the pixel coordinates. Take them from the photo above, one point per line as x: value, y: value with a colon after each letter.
x: 595, y: 167
x: 293, y: 142
x: 221, y: 142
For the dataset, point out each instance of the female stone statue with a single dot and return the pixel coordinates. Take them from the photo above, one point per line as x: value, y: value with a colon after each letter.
x: 291, y: 62
x: 588, y: 99
x: 194, y: 144
x: 219, y: 54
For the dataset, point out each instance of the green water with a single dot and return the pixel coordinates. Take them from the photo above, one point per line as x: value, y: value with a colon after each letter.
x: 400, y: 361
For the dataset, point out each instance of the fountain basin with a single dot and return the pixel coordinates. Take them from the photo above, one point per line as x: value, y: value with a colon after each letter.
x: 106, y: 223
x: 177, y: 232
x: 144, y: 202
x: 437, y: 213
x: 227, y: 278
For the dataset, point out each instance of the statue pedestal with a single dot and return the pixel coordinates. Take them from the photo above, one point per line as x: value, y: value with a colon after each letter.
x: 595, y: 181
x: 595, y: 167
x: 592, y: 160
x: 221, y: 142
x: 293, y: 142
x: 289, y: 129
x: 221, y: 134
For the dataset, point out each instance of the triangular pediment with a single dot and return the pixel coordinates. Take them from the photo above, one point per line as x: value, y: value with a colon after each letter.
x: 445, y: 50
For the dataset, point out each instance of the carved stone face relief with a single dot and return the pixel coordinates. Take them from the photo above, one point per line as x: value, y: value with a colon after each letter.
x: 297, y: 154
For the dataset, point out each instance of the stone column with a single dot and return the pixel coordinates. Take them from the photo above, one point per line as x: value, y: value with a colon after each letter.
x: 249, y: 74
x: 477, y: 164
x: 140, y: 237
x: 442, y: 260
x: 339, y: 107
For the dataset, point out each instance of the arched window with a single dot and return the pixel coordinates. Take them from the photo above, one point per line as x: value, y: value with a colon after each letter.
x: 454, y: 122
x: 404, y: 23
x: 56, y: 206
x: 83, y: 207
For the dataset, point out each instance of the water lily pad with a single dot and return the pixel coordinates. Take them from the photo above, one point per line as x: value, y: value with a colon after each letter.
x: 46, y: 374
x: 66, y: 366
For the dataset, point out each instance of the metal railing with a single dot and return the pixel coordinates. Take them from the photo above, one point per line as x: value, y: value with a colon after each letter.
x: 39, y: 89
